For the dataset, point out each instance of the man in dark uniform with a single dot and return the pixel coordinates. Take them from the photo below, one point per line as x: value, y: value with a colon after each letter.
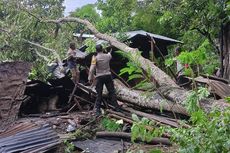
x: 100, y: 63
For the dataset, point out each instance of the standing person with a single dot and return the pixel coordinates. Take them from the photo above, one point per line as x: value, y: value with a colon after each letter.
x: 72, y: 63
x: 100, y: 63
x: 180, y: 69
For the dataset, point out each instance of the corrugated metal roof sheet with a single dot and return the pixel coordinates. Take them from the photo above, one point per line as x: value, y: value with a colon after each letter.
x: 130, y: 35
x: 12, y: 130
x: 39, y: 139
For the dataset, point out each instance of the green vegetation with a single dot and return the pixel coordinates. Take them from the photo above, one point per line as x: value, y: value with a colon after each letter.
x: 140, y: 129
x: 69, y: 146
x: 209, y: 133
x: 135, y: 72
x: 110, y: 124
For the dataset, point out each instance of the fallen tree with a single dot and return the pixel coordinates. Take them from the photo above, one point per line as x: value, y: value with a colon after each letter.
x: 168, y: 87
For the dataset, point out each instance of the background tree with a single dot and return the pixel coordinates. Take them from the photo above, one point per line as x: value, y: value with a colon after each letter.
x: 20, y: 19
x: 116, y: 15
x: 88, y: 12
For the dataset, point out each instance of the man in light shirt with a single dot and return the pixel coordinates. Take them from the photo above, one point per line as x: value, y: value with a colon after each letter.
x: 100, y: 64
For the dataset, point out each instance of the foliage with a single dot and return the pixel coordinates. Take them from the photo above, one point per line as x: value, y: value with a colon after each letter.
x: 134, y: 71
x: 35, y: 73
x: 209, y: 133
x: 155, y: 151
x: 142, y: 151
x: 21, y: 20
x: 140, y: 131
x: 227, y: 99
x: 194, y: 97
x: 204, y: 60
x: 110, y: 124
x: 186, y: 16
x: 69, y: 146
x: 82, y: 134
x: 91, y: 44
x: 116, y: 15
x: 88, y: 12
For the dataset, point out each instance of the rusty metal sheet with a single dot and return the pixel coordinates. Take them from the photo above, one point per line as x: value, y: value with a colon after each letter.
x: 218, y: 87
x: 36, y: 139
x: 19, y: 127
x: 13, y: 77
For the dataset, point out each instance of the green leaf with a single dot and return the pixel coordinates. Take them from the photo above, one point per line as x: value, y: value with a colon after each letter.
x: 169, y: 62
x: 135, y: 76
x: 155, y: 151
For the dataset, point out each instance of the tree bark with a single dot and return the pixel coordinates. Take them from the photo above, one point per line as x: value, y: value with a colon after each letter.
x: 226, y: 48
x: 155, y: 101
x: 164, y: 141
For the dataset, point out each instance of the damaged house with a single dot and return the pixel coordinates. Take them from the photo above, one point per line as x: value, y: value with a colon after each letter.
x: 22, y: 98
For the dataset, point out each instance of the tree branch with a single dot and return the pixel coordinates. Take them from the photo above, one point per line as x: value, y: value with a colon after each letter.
x: 42, y: 56
x: 206, y: 34
x: 45, y: 48
x: 159, y: 75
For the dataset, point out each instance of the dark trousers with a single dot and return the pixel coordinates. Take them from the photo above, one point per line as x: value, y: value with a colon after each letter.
x: 107, y: 80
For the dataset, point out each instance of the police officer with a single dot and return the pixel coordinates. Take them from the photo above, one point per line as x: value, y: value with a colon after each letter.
x: 100, y: 63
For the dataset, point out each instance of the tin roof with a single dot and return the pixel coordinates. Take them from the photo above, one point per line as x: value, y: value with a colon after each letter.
x: 132, y: 34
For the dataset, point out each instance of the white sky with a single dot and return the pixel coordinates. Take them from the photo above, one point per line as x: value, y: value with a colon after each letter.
x: 71, y: 5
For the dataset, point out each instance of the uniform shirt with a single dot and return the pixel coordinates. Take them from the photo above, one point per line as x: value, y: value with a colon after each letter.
x: 100, y: 63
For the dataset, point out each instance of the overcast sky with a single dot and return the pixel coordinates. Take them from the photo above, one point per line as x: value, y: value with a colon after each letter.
x: 71, y: 5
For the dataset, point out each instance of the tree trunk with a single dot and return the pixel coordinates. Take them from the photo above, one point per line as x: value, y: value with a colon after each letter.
x: 124, y: 135
x: 154, y: 101
x: 226, y: 48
